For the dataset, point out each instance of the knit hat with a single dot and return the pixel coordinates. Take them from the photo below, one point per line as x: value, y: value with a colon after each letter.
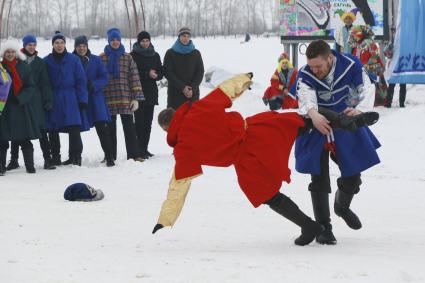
x: 82, y: 39
x: 29, y: 38
x: 184, y: 30
x: 143, y: 35
x: 113, y: 33
x: 82, y: 192
x: 58, y: 35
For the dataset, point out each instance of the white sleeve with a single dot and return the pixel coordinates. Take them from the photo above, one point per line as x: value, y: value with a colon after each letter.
x: 306, y: 98
x: 367, y: 92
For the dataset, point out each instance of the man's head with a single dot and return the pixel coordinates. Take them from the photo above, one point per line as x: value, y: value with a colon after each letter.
x: 29, y: 42
x: 319, y: 58
x: 165, y: 117
x: 81, y: 45
x: 184, y: 35
x: 58, y: 42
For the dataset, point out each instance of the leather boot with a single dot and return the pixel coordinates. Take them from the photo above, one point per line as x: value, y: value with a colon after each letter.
x: 13, y: 164
x: 342, y: 209
x: 28, y: 154
x: 320, y: 201
x: 288, y: 209
x: 3, y: 153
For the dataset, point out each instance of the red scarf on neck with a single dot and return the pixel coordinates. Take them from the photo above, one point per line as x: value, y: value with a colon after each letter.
x: 16, y: 79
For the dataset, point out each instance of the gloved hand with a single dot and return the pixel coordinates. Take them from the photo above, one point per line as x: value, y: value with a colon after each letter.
x: 134, y: 105
x: 235, y: 86
x: 82, y: 105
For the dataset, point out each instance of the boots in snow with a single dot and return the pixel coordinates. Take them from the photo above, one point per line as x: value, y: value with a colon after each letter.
x: 342, y: 209
x: 13, y: 164
x: 320, y: 201
x: 28, y: 154
x: 288, y: 209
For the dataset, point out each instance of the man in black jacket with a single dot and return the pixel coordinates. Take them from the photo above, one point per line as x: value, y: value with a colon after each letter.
x: 150, y: 70
x: 184, y: 70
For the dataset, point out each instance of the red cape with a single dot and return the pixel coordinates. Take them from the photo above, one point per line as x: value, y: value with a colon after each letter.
x: 205, y: 134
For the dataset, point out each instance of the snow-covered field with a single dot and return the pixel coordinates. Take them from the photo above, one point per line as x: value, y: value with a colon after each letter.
x: 219, y: 237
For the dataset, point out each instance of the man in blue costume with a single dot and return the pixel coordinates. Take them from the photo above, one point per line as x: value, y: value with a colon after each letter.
x: 337, y: 82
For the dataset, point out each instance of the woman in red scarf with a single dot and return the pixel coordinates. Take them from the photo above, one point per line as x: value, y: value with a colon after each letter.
x: 17, y: 122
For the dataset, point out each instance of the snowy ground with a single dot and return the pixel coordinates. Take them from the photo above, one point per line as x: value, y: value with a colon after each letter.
x: 219, y: 236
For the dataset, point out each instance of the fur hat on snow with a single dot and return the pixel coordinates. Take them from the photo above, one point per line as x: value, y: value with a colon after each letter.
x: 12, y: 45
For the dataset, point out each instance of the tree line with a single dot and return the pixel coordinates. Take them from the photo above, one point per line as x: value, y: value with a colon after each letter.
x: 160, y: 17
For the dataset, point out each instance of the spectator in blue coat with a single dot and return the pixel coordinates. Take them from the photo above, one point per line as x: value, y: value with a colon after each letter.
x: 97, y: 111
x: 70, y: 100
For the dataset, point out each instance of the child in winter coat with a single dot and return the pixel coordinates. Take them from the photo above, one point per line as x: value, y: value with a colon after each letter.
x: 277, y: 94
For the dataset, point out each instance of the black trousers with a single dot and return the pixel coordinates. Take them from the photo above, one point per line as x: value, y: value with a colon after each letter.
x: 4, y: 146
x: 402, y: 94
x: 129, y: 135
x: 143, y: 120
x: 104, y: 134
x: 321, y: 183
x: 75, y: 142
x: 44, y: 145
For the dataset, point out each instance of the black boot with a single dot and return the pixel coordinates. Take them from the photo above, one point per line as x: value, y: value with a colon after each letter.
x: 76, y: 161
x: 320, y: 201
x: 288, y: 209
x: 69, y: 161
x: 48, y: 164
x: 13, y: 164
x: 56, y: 160
x: 28, y: 154
x: 3, y: 162
x: 349, y: 123
x: 342, y: 209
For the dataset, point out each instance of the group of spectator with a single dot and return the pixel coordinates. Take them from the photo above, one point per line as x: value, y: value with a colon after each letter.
x: 70, y: 93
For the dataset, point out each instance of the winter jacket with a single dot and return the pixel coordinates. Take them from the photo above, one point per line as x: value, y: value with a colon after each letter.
x: 145, y: 63
x: 69, y: 86
x: 18, y: 121
x: 355, y: 151
x: 43, y: 98
x: 119, y: 92
x: 181, y: 70
x: 97, y: 79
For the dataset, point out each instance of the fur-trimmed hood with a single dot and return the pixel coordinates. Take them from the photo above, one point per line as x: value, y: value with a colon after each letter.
x: 12, y: 45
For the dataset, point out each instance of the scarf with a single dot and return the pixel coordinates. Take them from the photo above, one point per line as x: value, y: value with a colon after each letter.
x: 114, y: 57
x: 85, y: 59
x: 183, y: 49
x: 16, y: 79
x: 147, y: 52
x: 59, y: 56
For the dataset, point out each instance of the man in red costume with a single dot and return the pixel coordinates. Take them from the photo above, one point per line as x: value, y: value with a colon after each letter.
x: 203, y: 133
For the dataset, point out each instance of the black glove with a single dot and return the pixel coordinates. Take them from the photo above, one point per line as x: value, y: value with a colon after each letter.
x: 82, y: 105
x: 90, y: 87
